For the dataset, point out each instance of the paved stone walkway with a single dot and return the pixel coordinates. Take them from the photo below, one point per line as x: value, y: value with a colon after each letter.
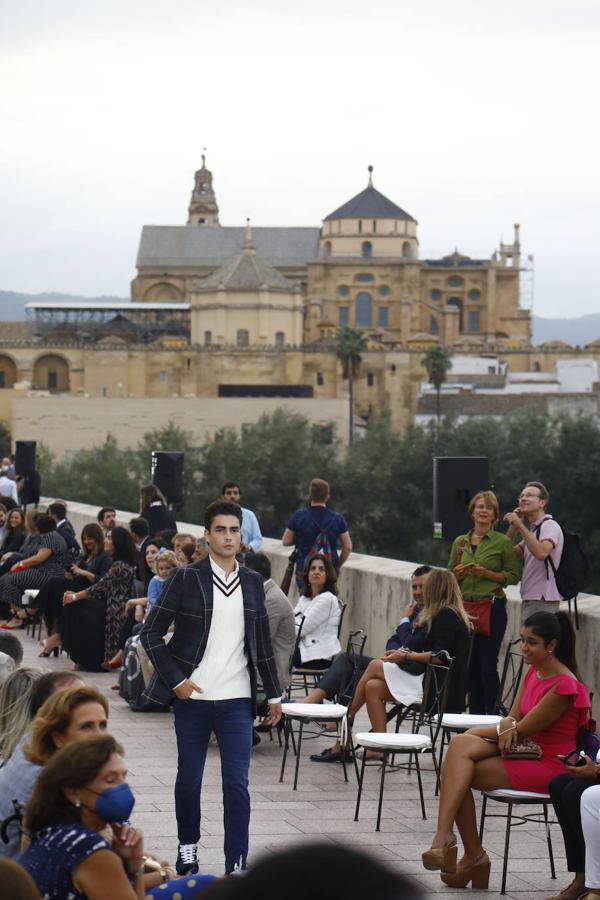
x: 321, y: 809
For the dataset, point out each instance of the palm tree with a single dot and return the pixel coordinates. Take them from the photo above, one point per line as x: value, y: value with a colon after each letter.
x: 437, y: 361
x: 350, y: 343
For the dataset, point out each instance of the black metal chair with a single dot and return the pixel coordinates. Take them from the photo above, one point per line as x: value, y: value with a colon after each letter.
x: 511, y: 799
x: 421, y: 740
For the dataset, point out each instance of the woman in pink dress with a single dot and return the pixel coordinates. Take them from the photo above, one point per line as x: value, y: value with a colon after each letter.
x: 549, y: 707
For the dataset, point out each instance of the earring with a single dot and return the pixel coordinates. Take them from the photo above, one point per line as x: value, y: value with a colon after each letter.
x: 549, y: 652
x: 78, y: 803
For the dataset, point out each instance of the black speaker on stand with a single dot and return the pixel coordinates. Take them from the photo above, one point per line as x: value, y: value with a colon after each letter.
x: 167, y: 474
x: 25, y: 457
x: 456, y: 480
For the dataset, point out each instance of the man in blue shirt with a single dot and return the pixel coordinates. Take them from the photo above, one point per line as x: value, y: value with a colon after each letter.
x: 251, y: 534
x: 306, y: 524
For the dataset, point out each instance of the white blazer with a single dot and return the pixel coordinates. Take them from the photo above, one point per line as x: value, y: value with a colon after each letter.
x: 319, y: 638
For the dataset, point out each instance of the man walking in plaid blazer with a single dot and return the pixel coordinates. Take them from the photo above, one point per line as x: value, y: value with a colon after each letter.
x: 221, y: 639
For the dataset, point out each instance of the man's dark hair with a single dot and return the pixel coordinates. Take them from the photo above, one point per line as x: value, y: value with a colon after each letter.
x: 420, y: 571
x: 103, y: 510
x: 123, y: 546
x: 59, y: 510
x: 347, y: 871
x: 259, y: 562
x: 221, y: 508
x: 46, y: 685
x: 139, y: 527
x: 45, y: 524
x: 230, y: 484
x: 8, y: 503
x: 166, y: 537
x: 12, y: 646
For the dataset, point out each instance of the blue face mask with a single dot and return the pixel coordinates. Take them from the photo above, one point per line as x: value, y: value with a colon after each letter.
x: 115, y: 804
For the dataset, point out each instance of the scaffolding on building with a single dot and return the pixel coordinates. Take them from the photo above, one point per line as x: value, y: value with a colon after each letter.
x: 93, y: 322
x: 527, y: 283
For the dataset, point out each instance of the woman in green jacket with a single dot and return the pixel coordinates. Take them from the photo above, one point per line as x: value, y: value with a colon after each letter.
x: 484, y: 562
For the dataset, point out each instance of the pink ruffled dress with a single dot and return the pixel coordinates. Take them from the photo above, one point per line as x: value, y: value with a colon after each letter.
x: 559, y: 738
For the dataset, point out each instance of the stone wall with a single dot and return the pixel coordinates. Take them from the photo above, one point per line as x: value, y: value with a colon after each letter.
x: 64, y: 422
x: 377, y: 589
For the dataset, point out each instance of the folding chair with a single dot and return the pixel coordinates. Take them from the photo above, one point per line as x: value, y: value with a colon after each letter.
x: 435, y: 694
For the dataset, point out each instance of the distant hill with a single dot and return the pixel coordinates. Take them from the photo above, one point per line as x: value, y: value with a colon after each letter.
x: 580, y: 330
x: 12, y: 303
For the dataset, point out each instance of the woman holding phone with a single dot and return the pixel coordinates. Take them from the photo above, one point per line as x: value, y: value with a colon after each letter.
x: 484, y: 562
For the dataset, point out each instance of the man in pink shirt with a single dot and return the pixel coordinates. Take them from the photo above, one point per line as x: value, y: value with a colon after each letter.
x: 541, y: 540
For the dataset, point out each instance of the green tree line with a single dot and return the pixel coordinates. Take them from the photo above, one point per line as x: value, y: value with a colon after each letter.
x: 382, y: 483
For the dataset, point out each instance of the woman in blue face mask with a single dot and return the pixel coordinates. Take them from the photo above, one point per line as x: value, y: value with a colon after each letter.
x: 81, y: 790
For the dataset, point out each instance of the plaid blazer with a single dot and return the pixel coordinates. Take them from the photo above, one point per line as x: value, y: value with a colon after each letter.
x: 187, y: 600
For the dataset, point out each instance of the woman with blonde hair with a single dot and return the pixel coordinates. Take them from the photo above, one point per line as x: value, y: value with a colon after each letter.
x: 15, y: 709
x: 396, y: 677
x: 484, y: 562
x: 448, y: 628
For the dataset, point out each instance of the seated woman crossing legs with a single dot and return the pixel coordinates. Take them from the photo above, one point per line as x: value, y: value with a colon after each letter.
x: 550, y: 706
x: 397, y: 676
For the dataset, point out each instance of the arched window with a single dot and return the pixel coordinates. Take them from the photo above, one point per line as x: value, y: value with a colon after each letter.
x: 367, y: 250
x: 434, y: 328
x: 364, y: 310
x: 207, y: 338
x: 51, y: 373
x: 407, y: 250
x: 474, y: 320
x: 280, y: 340
x: 243, y: 338
x: 8, y: 372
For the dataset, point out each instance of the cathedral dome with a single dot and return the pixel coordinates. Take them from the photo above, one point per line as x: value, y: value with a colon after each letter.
x: 370, y: 203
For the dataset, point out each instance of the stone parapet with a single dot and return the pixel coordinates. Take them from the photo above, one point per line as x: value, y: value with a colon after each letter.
x: 377, y: 589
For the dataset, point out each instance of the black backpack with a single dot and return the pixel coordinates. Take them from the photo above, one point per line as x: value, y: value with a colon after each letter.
x: 574, y: 567
x: 131, y: 680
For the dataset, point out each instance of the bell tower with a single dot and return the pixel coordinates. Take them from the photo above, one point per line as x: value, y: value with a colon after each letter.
x: 203, y: 209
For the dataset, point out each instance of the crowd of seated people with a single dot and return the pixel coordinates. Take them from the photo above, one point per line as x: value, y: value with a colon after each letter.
x: 68, y: 776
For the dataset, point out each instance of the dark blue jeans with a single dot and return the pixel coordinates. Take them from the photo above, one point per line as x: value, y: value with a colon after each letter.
x: 483, y: 671
x: 231, y: 721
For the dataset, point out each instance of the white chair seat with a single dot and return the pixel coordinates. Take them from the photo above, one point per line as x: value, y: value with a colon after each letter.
x: 383, y: 741
x: 314, y: 710
x: 515, y: 796
x: 467, y: 720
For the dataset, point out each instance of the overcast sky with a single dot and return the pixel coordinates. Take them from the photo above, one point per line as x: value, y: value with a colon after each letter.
x: 475, y: 115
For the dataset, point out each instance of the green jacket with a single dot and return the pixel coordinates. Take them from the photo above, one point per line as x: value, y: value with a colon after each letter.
x: 495, y: 552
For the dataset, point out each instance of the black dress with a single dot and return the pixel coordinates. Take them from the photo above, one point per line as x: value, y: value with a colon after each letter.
x: 91, y: 627
x: 13, y: 542
x: 159, y: 518
x: 50, y: 598
x: 449, y: 632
